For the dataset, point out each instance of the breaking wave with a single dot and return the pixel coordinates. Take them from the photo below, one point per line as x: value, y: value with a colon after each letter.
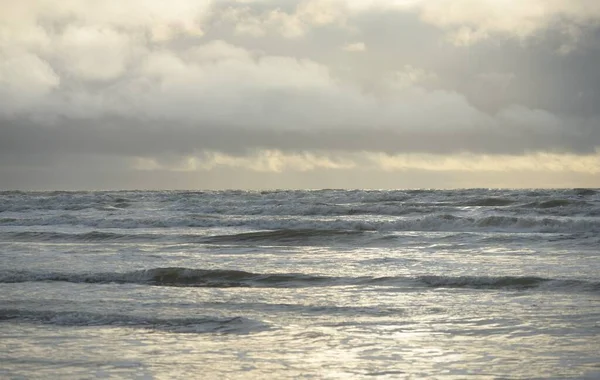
x: 222, y: 278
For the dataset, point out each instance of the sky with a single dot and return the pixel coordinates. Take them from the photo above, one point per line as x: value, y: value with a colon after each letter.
x: 257, y: 94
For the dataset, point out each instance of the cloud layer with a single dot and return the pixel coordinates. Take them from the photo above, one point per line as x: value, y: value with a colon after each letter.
x: 299, y: 86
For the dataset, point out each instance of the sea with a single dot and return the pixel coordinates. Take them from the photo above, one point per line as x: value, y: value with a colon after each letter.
x: 288, y: 284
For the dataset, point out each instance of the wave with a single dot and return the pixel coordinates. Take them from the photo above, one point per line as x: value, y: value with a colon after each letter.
x: 174, y: 276
x: 573, y: 204
x: 558, y: 203
x: 296, y: 203
x: 297, y: 237
x: 281, y: 237
x: 489, y: 202
x: 63, y: 200
x: 266, y: 208
x: 270, y: 237
x: 488, y: 282
x: 177, y: 325
x: 430, y: 222
x: 224, y: 278
x: 499, y: 283
x: 584, y: 191
x: 88, y: 237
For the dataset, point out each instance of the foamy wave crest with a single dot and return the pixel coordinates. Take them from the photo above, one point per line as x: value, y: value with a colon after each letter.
x: 188, y: 277
x: 179, y: 325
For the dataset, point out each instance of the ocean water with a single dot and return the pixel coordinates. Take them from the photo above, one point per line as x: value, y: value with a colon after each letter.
x: 485, y: 284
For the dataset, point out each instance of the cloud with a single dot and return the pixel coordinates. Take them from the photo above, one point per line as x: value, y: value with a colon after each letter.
x: 93, y: 53
x: 270, y: 87
x: 278, y: 161
x: 260, y: 161
x: 221, y: 95
x: 466, y: 21
x: 25, y: 80
x: 293, y: 23
x: 355, y: 47
x: 33, y: 21
x: 214, y: 93
x: 409, y: 75
x: 472, y: 20
x: 466, y: 162
x: 219, y: 83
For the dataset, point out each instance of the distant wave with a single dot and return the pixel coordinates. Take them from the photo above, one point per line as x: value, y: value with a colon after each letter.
x: 429, y: 222
x: 287, y: 203
x: 222, y: 278
x: 179, y: 325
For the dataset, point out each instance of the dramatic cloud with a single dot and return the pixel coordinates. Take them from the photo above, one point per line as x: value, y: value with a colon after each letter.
x: 155, y: 88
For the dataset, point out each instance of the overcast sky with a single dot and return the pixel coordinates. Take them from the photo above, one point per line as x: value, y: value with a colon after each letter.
x: 188, y: 94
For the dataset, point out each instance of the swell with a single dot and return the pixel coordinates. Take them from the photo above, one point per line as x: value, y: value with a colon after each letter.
x: 223, y: 278
x: 179, y: 325
x: 88, y: 237
x: 284, y: 236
